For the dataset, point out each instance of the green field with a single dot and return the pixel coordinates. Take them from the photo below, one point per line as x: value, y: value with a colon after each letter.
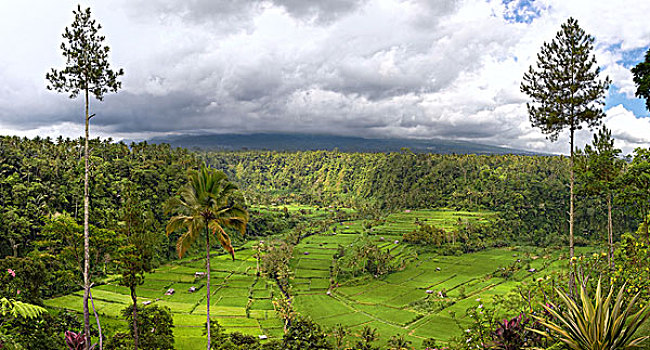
x: 242, y: 302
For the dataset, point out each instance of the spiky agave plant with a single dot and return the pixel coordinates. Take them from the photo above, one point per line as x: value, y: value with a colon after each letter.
x: 597, y: 324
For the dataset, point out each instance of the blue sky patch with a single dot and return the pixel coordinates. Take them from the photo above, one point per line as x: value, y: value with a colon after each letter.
x: 631, y: 58
x: 635, y: 105
x: 521, y: 11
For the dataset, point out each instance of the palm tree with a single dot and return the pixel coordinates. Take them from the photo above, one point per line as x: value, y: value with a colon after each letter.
x: 208, y: 203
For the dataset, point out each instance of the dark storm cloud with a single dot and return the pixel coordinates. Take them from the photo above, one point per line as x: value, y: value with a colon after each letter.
x: 145, y: 112
x: 321, y: 11
x: 399, y: 68
x: 239, y: 11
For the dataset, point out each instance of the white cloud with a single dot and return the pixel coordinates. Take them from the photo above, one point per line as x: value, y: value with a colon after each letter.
x: 399, y: 68
x: 628, y: 131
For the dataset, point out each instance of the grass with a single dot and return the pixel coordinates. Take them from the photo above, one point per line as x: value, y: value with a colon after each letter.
x: 383, y: 303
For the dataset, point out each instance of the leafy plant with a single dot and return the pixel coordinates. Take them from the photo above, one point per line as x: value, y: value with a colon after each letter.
x: 16, y: 308
x: 155, y: 326
x: 398, y: 342
x: 339, y: 332
x: 305, y: 334
x: 597, y: 324
x: 76, y: 341
x: 476, y: 334
x: 368, y: 335
x: 513, y: 334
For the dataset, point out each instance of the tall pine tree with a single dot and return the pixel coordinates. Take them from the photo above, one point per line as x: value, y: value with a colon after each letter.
x: 641, y: 78
x: 600, y: 169
x: 566, y: 91
x: 87, y: 71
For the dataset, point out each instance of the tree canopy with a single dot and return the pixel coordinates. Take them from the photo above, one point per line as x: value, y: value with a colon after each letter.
x: 641, y: 78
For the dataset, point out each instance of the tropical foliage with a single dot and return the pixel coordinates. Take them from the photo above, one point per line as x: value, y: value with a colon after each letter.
x: 87, y: 71
x: 208, y: 204
x: 603, y: 322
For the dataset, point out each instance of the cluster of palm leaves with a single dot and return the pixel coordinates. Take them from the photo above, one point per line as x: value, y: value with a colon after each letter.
x: 207, y: 204
x: 598, y: 324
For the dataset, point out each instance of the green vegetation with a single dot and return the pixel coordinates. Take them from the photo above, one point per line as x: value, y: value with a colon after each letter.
x: 641, y: 78
x: 208, y: 204
x: 474, y: 250
x: 599, y: 324
x: 343, y: 265
x: 87, y: 70
x: 397, y: 303
x: 323, y: 249
x: 566, y: 93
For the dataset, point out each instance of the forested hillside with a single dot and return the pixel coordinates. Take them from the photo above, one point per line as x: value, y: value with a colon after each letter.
x: 42, y: 178
x: 313, y: 142
x: 529, y: 192
x: 523, y: 200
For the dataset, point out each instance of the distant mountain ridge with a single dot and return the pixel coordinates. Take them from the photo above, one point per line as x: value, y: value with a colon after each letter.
x: 312, y: 142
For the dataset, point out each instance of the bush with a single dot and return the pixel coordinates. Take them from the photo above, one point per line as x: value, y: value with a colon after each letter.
x: 155, y: 326
x: 305, y: 334
x: 45, y: 332
x: 426, y: 235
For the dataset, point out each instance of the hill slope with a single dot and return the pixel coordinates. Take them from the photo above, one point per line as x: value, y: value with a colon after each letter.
x: 305, y: 142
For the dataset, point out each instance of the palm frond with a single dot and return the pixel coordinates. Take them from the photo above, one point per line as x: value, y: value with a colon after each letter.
x: 185, y: 240
x: 177, y: 222
x: 172, y: 204
x: 224, y: 239
x: 208, y: 198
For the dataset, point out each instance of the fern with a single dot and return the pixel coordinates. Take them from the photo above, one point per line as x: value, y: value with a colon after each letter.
x: 19, y: 309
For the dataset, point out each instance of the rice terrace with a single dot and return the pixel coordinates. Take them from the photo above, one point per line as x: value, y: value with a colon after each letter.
x: 325, y: 175
x: 400, y: 303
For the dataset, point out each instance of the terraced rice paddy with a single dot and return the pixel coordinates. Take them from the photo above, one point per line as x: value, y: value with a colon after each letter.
x: 388, y: 303
x: 242, y: 302
x: 234, y: 285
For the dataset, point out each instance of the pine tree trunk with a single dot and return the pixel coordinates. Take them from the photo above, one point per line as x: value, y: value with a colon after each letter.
x: 207, y: 265
x: 571, y: 220
x: 134, y: 298
x: 571, y: 205
x: 86, y: 271
x: 610, y: 231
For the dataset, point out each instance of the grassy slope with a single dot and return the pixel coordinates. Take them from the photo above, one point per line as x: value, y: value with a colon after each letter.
x: 386, y: 303
x: 383, y: 303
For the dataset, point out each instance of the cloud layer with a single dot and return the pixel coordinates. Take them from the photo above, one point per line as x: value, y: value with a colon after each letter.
x: 399, y: 68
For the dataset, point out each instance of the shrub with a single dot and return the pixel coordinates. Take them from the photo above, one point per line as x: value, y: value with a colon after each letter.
x: 305, y: 334
x: 515, y: 334
x: 155, y: 326
x: 597, y: 324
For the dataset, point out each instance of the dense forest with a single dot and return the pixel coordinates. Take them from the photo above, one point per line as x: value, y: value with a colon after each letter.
x: 529, y: 192
x: 40, y: 179
x: 41, y: 225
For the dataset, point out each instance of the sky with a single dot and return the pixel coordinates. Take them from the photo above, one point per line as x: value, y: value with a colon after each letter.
x: 372, y: 68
